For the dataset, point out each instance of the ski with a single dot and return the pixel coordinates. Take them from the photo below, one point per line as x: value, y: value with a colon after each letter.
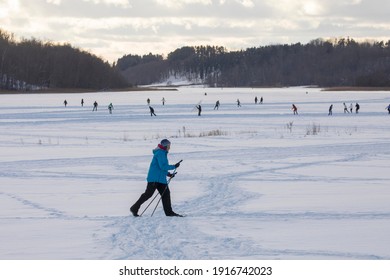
x: 137, y: 216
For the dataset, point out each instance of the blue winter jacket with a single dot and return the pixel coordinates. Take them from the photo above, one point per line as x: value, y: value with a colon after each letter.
x: 159, y: 166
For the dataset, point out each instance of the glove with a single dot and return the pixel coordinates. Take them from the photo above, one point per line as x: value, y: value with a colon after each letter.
x: 177, y: 164
x: 171, y: 175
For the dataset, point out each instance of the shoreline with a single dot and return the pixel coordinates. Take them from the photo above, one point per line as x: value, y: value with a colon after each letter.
x: 352, y: 88
x: 171, y: 88
x: 81, y: 90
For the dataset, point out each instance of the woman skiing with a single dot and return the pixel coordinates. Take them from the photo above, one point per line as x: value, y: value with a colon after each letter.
x: 157, y: 179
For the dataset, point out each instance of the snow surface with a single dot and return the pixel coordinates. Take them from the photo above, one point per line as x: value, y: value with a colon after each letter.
x: 265, y: 184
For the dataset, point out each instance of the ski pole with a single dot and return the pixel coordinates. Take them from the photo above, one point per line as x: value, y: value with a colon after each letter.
x: 154, y: 199
x: 149, y: 204
x: 158, y: 202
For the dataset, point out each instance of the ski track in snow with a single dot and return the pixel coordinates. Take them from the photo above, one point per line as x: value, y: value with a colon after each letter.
x: 156, y: 237
x: 152, y: 238
x: 210, y: 230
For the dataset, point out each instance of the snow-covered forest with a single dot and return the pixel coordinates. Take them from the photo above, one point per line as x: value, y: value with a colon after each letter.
x: 327, y: 63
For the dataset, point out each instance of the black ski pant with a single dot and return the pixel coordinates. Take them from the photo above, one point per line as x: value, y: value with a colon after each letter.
x: 150, y: 189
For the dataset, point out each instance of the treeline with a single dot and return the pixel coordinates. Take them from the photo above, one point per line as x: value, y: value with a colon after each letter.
x: 30, y: 64
x: 338, y: 62
x: 142, y: 70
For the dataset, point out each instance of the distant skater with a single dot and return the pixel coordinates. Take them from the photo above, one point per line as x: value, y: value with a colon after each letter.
x: 295, y: 109
x: 151, y: 111
x: 351, y: 108
x: 110, y: 108
x: 357, y: 107
x: 65, y: 102
x: 238, y: 103
x: 388, y: 108
x: 199, y: 107
x: 163, y: 101
x: 95, y: 106
x: 330, y: 110
x: 261, y: 100
x: 345, y: 108
x: 216, y: 105
x: 82, y: 102
x: 148, y: 101
x: 256, y: 100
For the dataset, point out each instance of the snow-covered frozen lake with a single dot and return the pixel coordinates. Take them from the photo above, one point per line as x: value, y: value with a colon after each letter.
x: 256, y: 182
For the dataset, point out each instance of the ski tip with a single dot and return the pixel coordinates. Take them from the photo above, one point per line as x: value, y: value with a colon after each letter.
x: 176, y: 215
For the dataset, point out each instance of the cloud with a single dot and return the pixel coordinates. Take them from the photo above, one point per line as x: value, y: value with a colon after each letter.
x: 55, y: 2
x: 246, y: 3
x: 312, y: 8
x: 112, y: 28
x: 8, y: 7
x: 120, y: 3
x: 177, y: 4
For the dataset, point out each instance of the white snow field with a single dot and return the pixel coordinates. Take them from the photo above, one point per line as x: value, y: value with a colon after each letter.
x: 256, y: 181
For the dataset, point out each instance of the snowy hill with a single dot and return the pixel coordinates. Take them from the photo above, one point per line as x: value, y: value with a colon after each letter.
x: 179, y: 81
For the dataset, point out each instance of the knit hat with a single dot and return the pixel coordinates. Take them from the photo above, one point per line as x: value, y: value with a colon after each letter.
x: 165, y: 143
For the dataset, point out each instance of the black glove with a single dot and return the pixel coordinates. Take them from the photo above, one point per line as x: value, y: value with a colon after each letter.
x: 171, y: 175
x: 177, y: 164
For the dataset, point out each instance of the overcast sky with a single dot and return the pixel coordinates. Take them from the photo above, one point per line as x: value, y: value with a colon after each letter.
x: 113, y: 28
